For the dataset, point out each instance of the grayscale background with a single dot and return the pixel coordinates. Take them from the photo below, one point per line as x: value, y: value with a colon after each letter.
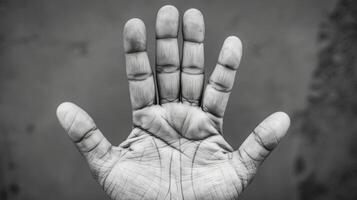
x: 71, y: 50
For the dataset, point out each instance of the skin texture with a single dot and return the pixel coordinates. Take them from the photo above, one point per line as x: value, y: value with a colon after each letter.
x: 176, y: 149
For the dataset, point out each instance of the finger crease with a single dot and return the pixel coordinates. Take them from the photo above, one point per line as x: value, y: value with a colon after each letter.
x: 192, y: 41
x: 95, y: 146
x: 192, y: 70
x: 165, y: 37
x: 135, y: 51
x: 169, y: 68
x: 139, y: 76
x: 260, y: 141
x: 227, y: 66
x: 191, y: 101
x: 215, y: 114
x: 167, y: 100
x: 252, y: 157
x: 87, y: 134
x: 219, y: 86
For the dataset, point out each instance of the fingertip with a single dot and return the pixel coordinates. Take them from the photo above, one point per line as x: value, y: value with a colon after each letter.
x: 193, y: 25
x: 193, y: 12
x: 234, y: 44
x: 63, y: 109
x: 284, y: 116
x: 169, y: 8
x: 234, y: 41
x: 280, y: 122
x: 134, y: 35
x: 66, y: 112
x: 167, y: 22
x: 231, y: 53
x: 134, y: 23
x: 285, y: 120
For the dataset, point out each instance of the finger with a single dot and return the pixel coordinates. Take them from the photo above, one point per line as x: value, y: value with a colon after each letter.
x: 192, y: 75
x: 82, y: 130
x: 167, y: 54
x: 141, y: 81
x: 221, y: 81
x: 265, y: 137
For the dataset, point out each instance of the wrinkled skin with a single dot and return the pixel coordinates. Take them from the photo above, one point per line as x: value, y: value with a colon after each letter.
x: 174, y: 152
x: 176, y: 149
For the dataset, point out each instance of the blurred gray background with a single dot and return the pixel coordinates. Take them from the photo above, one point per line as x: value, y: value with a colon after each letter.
x: 71, y: 50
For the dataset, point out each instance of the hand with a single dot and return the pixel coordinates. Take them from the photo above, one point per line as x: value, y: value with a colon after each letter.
x: 176, y: 149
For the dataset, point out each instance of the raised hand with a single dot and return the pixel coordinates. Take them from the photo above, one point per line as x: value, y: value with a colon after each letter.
x: 176, y: 149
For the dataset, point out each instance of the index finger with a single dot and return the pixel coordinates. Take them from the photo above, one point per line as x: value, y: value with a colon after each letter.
x: 140, y: 77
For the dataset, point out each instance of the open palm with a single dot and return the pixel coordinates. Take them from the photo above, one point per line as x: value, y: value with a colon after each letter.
x: 176, y: 149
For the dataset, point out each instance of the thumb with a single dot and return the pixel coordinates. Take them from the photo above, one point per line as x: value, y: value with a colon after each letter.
x: 258, y: 145
x: 83, y: 132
